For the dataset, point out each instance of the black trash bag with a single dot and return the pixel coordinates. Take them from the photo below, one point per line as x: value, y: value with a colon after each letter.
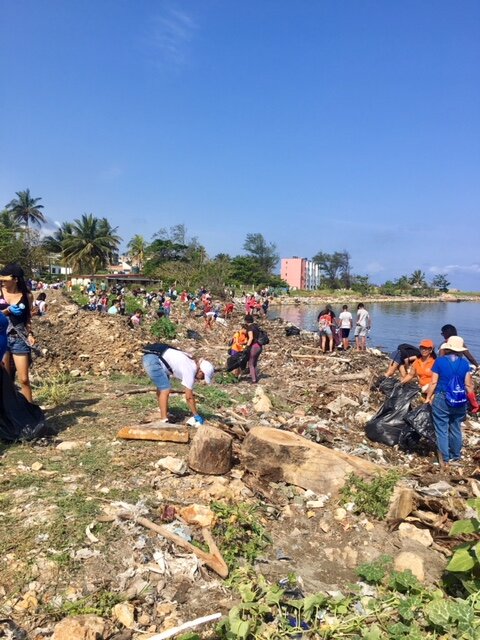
x: 14, y: 631
x: 193, y: 335
x: 292, y: 331
x: 238, y: 361
x: 19, y: 419
x: 419, y: 432
x: 387, y: 424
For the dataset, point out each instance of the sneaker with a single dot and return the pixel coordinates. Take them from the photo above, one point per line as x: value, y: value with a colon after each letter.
x: 455, y: 462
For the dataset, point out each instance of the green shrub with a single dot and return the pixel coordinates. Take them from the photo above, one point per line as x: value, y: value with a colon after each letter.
x: 164, y: 329
x: 371, y: 498
x: 463, y: 570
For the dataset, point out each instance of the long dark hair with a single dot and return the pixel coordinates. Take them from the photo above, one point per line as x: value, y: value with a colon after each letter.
x: 15, y: 271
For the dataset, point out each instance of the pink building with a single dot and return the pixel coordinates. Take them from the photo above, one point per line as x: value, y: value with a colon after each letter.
x: 300, y: 273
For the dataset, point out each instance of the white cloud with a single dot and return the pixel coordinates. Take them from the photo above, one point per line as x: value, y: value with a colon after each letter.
x: 374, y: 267
x: 170, y: 34
x: 456, y: 268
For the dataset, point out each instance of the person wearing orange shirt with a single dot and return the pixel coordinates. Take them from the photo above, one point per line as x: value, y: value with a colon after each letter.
x: 422, y: 367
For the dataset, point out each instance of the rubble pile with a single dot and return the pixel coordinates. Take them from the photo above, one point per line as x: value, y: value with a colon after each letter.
x: 118, y: 539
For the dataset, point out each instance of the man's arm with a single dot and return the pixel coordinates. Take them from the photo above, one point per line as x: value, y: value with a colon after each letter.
x: 190, y: 400
x: 470, y: 358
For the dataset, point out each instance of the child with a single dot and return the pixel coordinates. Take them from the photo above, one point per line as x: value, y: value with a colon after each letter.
x: 136, y: 319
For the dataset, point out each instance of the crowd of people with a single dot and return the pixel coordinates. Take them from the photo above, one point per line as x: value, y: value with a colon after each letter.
x: 446, y: 384
x: 445, y: 379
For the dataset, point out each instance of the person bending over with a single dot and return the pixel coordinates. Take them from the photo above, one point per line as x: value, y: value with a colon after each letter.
x: 162, y: 362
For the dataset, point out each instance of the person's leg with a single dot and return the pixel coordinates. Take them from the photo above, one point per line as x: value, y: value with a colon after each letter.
x: 455, y: 433
x: 330, y: 343
x: 255, y: 352
x: 162, y: 399
x: 159, y: 377
x: 324, y: 341
x: 21, y: 365
x: 441, y: 418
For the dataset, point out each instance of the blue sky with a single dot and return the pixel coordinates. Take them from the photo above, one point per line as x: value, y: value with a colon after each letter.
x: 324, y: 125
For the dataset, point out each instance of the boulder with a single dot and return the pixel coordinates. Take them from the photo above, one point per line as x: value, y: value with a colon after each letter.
x: 282, y: 456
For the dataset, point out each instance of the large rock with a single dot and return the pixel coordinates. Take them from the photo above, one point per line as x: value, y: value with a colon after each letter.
x: 407, y: 560
x: 210, y: 451
x: 409, y: 532
x: 281, y: 456
x: 80, y: 628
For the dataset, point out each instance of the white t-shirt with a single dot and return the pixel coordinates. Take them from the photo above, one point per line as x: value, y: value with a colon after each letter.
x: 183, y: 367
x: 345, y: 319
x: 363, y: 318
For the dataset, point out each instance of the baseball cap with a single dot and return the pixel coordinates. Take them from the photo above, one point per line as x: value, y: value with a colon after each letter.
x: 208, y: 370
x: 427, y: 343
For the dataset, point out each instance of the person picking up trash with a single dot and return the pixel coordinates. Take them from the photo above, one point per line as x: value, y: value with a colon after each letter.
x: 161, y: 362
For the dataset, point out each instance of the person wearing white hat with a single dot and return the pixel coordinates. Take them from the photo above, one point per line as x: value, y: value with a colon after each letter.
x: 161, y: 362
x: 448, y: 393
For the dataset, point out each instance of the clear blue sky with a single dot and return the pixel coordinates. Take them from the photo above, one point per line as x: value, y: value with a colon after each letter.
x: 324, y: 125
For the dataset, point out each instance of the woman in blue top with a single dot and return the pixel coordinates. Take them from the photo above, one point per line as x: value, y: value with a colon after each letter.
x: 447, y: 419
x: 15, y: 304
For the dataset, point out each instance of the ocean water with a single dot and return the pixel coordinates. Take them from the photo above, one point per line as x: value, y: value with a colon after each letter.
x: 397, y: 322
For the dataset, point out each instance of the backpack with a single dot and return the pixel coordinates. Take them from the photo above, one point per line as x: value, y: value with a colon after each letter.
x: 263, y: 338
x: 158, y: 349
x: 455, y: 393
x: 324, y: 322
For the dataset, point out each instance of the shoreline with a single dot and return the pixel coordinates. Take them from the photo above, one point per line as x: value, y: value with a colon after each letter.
x: 349, y: 299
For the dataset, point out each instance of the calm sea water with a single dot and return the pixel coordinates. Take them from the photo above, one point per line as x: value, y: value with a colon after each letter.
x: 397, y: 322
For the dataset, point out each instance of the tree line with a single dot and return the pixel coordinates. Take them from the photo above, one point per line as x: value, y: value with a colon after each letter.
x: 90, y: 244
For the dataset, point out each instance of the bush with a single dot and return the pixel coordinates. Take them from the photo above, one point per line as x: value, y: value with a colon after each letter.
x: 164, y: 329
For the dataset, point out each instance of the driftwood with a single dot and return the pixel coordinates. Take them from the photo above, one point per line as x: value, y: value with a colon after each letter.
x: 212, y: 559
x: 131, y: 392
x: 157, y: 431
x: 277, y: 455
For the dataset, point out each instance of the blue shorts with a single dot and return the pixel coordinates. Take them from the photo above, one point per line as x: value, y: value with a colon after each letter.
x: 156, y: 372
x: 17, y: 346
x: 396, y: 357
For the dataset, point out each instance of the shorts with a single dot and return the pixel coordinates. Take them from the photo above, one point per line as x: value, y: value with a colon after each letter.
x: 345, y: 333
x: 17, y: 346
x: 396, y: 356
x: 361, y: 332
x: 325, y: 332
x: 156, y: 372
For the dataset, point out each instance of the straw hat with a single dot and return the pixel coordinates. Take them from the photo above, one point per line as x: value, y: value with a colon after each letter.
x: 454, y: 343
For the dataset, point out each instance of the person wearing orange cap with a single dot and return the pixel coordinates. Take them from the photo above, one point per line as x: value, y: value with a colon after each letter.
x: 422, y: 367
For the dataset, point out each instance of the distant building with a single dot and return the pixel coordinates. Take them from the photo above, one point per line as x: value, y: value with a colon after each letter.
x: 300, y: 273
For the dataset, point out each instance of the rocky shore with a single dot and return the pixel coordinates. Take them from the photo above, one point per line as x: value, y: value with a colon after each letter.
x: 78, y: 560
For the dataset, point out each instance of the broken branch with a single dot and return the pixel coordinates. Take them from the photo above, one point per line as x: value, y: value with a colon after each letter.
x: 213, y: 559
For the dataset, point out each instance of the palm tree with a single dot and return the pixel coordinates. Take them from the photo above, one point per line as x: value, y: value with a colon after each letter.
x: 137, y: 248
x: 417, y: 279
x: 55, y: 242
x: 91, y: 244
x: 7, y: 221
x: 26, y: 210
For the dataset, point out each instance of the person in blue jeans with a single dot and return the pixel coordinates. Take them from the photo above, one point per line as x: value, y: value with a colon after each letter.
x: 447, y: 419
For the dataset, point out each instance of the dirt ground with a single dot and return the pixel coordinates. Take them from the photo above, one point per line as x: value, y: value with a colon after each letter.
x: 62, y: 549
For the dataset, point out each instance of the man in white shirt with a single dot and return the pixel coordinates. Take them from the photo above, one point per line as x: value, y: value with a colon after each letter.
x: 362, y: 328
x: 161, y: 362
x: 346, y: 324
